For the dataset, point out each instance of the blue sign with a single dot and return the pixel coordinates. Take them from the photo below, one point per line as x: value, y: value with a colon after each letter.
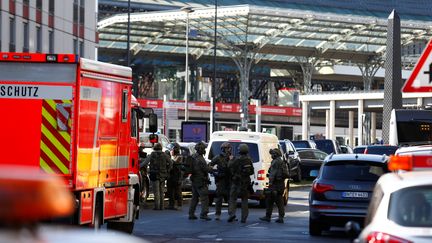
x: 194, y: 132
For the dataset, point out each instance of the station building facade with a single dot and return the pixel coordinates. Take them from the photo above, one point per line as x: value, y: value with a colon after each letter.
x: 160, y: 73
x: 49, y: 26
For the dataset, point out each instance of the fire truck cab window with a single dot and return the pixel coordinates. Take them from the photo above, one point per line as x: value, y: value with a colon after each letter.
x: 134, y: 124
x: 124, y: 105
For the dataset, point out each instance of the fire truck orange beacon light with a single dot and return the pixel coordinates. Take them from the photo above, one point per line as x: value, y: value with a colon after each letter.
x: 400, y: 163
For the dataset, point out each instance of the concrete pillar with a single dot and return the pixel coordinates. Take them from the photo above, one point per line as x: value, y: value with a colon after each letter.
x: 332, y: 119
x: 258, y: 115
x: 327, y: 127
x: 305, y: 116
x: 420, y: 102
x: 373, y: 128
x: 360, y: 122
x: 393, y: 73
x: 351, y: 128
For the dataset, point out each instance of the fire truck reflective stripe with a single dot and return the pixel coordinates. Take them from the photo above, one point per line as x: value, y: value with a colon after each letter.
x: 47, y: 114
x: 55, y: 144
x: 45, y: 167
x: 114, y: 162
x: 53, y: 157
x: 49, y: 163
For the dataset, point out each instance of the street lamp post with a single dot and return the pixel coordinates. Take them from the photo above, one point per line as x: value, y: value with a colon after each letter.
x: 187, y: 10
x: 213, y: 84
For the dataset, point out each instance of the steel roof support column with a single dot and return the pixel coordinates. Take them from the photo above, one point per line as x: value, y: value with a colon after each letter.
x: 307, y: 65
x: 305, y: 120
x: 244, y: 63
x: 368, y: 71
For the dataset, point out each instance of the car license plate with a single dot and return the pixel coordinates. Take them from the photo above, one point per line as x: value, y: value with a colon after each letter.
x: 355, y: 194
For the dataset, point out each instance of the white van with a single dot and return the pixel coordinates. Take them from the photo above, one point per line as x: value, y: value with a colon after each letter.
x: 259, y: 147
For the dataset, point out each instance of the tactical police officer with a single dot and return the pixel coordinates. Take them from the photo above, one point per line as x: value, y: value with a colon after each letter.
x: 241, y: 168
x: 222, y: 176
x: 159, y: 166
x: 175, y: 179
x: 277, y: 174
x: 200, y: 181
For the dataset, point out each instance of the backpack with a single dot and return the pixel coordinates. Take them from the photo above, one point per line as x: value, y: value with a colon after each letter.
x: 247, y: 168
x: 284, y: 170
x: 188, y: 162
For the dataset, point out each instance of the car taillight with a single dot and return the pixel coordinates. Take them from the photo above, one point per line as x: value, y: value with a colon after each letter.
x: 321, y: 188
x: 365, y: 151
x: 324, y: 207
x: 379, y: 237
x: 261, y: 175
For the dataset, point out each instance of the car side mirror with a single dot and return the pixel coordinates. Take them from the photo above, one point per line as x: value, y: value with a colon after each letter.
x: 153, y: 138
x: 313, y: 173
x: 352, y: 229
x: 153, y: 126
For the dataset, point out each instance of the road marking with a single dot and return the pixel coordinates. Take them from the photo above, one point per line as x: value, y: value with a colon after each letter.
x: 213, y: 213
x: 299, y: 203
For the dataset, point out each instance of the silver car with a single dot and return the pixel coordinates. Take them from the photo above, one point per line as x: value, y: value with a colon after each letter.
x: 401, y: 205
x: 400, y: 209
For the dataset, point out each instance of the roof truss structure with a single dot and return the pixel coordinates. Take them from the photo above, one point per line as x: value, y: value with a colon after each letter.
x: 274, y: 35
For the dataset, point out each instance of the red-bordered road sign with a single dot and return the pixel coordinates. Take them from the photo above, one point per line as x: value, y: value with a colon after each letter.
x: 421, y: 76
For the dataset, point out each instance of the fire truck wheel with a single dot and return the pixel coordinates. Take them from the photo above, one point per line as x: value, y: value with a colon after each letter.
x: 126, y: 227
x: 144, y: 192
x: 97, y: 222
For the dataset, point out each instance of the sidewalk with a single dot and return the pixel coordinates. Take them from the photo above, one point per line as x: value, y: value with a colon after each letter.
x: 303, y: 183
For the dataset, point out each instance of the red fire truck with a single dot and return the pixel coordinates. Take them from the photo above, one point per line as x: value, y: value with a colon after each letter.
x: 74, y: 117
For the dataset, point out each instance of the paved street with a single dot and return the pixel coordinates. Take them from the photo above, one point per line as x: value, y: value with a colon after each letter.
x: 174, y: 226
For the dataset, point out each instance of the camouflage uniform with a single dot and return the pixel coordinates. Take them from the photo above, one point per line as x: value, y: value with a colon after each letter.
x: 274, y: 194
x: 175, y: 178
x: 222, y: 176
x: 159, y: 164
x: 241, y: 168
x: 200, y: 181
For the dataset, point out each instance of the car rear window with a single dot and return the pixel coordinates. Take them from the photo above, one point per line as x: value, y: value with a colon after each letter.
x: 253, y: 149
x: 411, y: 207
x: 353, y: 170
x: 380, y: 150
x: 301, y: 144
x: 306, y: 154
x: 326, y: 146
x: 359, y: 150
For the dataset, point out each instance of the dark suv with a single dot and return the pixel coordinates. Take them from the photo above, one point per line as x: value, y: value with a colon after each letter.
x: 342, y: 190
x: 290, y: 154
x: 381, y: 149
x: 328, y: 145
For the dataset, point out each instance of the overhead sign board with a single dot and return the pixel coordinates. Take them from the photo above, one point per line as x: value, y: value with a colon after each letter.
x: 421, y: 76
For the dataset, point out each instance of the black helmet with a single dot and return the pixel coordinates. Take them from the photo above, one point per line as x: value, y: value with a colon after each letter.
x: 157, y: 146
x: 200, y: 148
x: 243, y: 148
x: 176, y: 148
x: 276, y: 152
x: 226, y: 147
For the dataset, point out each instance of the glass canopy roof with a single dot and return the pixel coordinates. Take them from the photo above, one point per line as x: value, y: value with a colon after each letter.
x: 276, y: 35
